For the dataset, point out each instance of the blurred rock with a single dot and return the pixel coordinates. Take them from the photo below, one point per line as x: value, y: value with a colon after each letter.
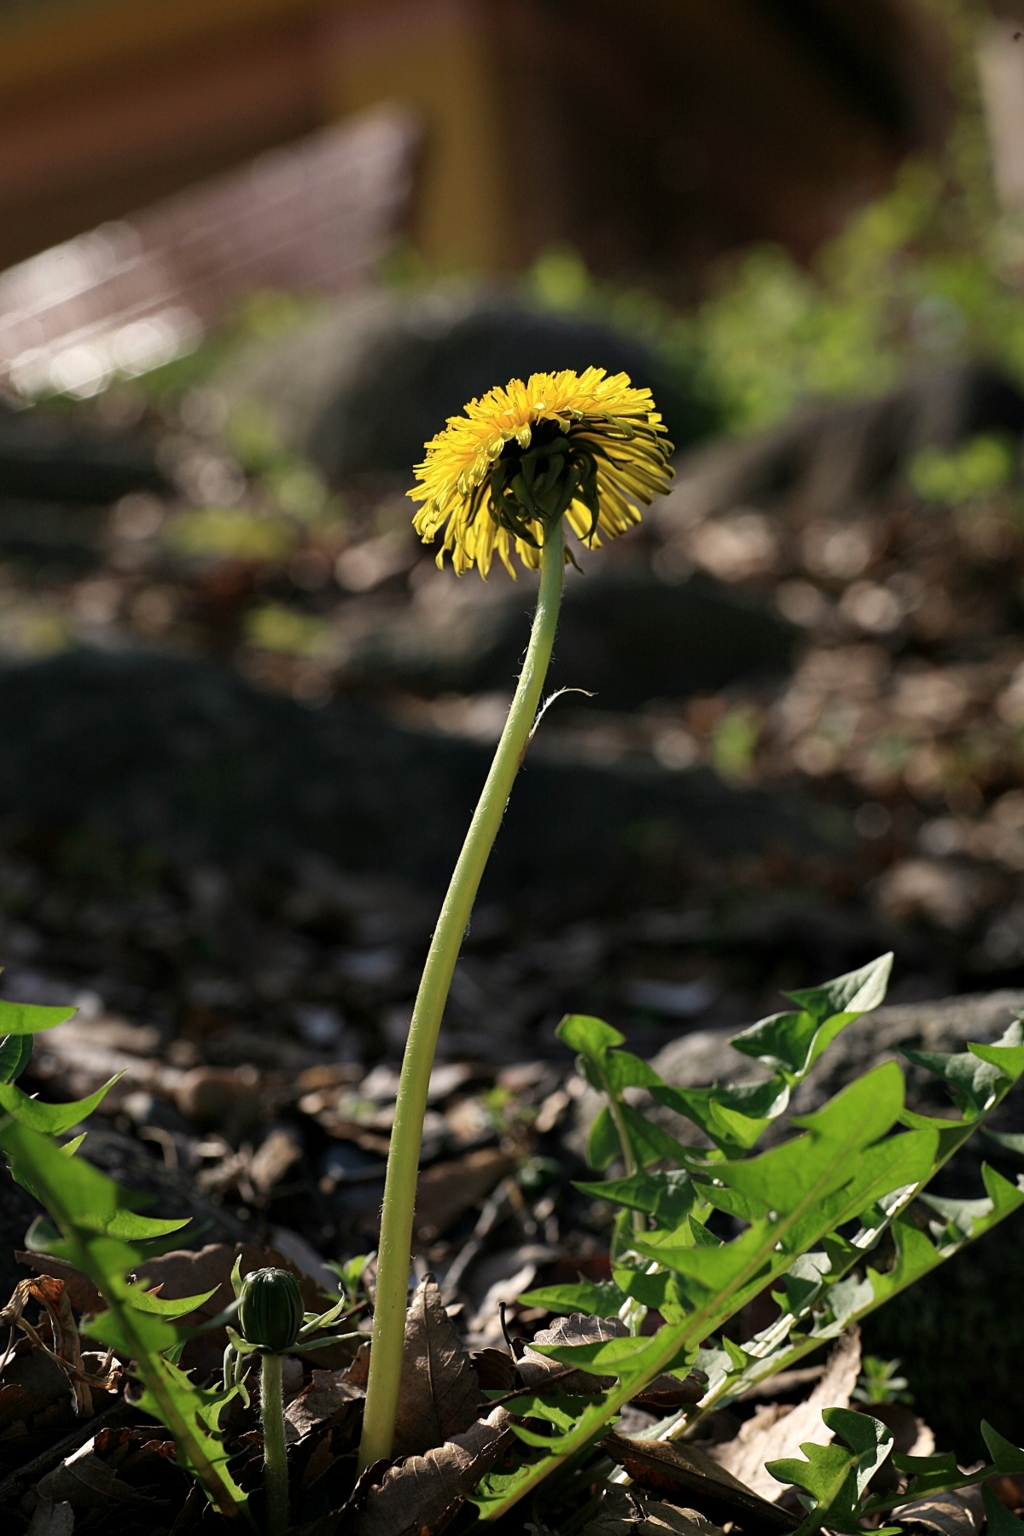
x: 176, y: 757
x: 366, y: 384
x: 47, y: 456
x: 217, y: 1098
x: 624, y: 635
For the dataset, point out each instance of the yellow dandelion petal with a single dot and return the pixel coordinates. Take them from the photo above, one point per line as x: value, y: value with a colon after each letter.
x: 586, y: 446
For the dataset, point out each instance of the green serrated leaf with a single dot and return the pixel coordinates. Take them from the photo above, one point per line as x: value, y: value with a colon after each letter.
x: 658, y: 1291
x: 999, y: 1521
x: 1008, y: 1458
x: 97, y: 1232
x: 1010, y: 1141
x: 54, y: 1119
x: 668, y: 1197
x: 69, y: 1148
x: 790, y: 1043
x: 624, y: 1070
x: 928, y: 1473
x: 650, y: 1143
x: 730, y: 1128
x: 171, y: 1307
x: 15, y: 1054
x: 868, y: 1437
x: 30, y: 1018
x: 562, y: 1409
x: 128, y: 1225
x: 973, y: 1083
x: 857, y: 992
x: 594, y: 1298
x: 591, y: 1037
x: 603, y: 1145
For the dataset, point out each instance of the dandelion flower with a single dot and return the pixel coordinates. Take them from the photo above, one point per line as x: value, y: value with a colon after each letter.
x: 584, y: 446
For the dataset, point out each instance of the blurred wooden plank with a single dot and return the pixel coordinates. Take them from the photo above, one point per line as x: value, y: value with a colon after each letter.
x: 132, y: 294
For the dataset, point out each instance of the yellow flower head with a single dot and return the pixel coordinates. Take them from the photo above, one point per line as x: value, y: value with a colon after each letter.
x: 583, y: 446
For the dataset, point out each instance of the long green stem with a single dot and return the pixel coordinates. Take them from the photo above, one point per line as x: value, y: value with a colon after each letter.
x: 275, y: 1459
x: 382, y: 1387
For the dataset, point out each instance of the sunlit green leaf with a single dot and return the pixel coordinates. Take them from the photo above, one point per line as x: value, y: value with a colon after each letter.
x: 590, y: 1036
x: 603, y: 1145
x: 1008, y: 1457
x: 792, y: 1042
x: 30, y: 1018
x: 928, y: 1474
x: 668, y: 1197
x: 15, y: 1054
x: 52, y: 1118
x: 624, y: 1070
x: 999, y: 1521
x: 171, y: 1307
x: 595, y: 1298
x: 1010, y: 1141
x: 98, y: 1230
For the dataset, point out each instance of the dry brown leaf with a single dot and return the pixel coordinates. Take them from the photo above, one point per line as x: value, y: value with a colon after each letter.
x: 950, y: 1514
x: 440, y: 1394
x: 86, y: 1482
x: 51, y: 1519
x: 445, y: 1190
x: 59, y: 1339
x: 680, y: 1469
x: 537, y: 1370
x: 326, y: 1393
x: 495, y: 1370
x: 83, y: 1295
x: 771, y: 1436
x: 540, y: 1371
x: 423, y: 1493
x: 628, y: 1512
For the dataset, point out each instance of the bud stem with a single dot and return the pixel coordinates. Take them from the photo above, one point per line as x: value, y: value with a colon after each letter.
x: 383, y: 1384
x: 275, y: 1460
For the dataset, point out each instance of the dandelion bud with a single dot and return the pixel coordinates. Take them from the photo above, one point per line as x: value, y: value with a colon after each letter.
x: 271, y: 1311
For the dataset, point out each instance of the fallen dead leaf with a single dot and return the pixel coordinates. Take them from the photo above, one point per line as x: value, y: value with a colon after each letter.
x: 83, y: 1295
x: 423, y: 1492
x: 950, y: 1514
x: 440, y: 1395
x: 677, y: 1468
x: 51, y: 1519
x: 320, y: 1401
x: 772, y: 1435
x: 628, y: 1512
x: 279, y: 1152
x: 665, y: 1393
x: 495, y: 1370
x: 62, y: 1343
x: 445, y: 1190
x: 86, y: 1482
x: 539, y: 1371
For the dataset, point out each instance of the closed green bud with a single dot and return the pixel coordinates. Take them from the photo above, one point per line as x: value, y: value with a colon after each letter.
x: 271, y: 1309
